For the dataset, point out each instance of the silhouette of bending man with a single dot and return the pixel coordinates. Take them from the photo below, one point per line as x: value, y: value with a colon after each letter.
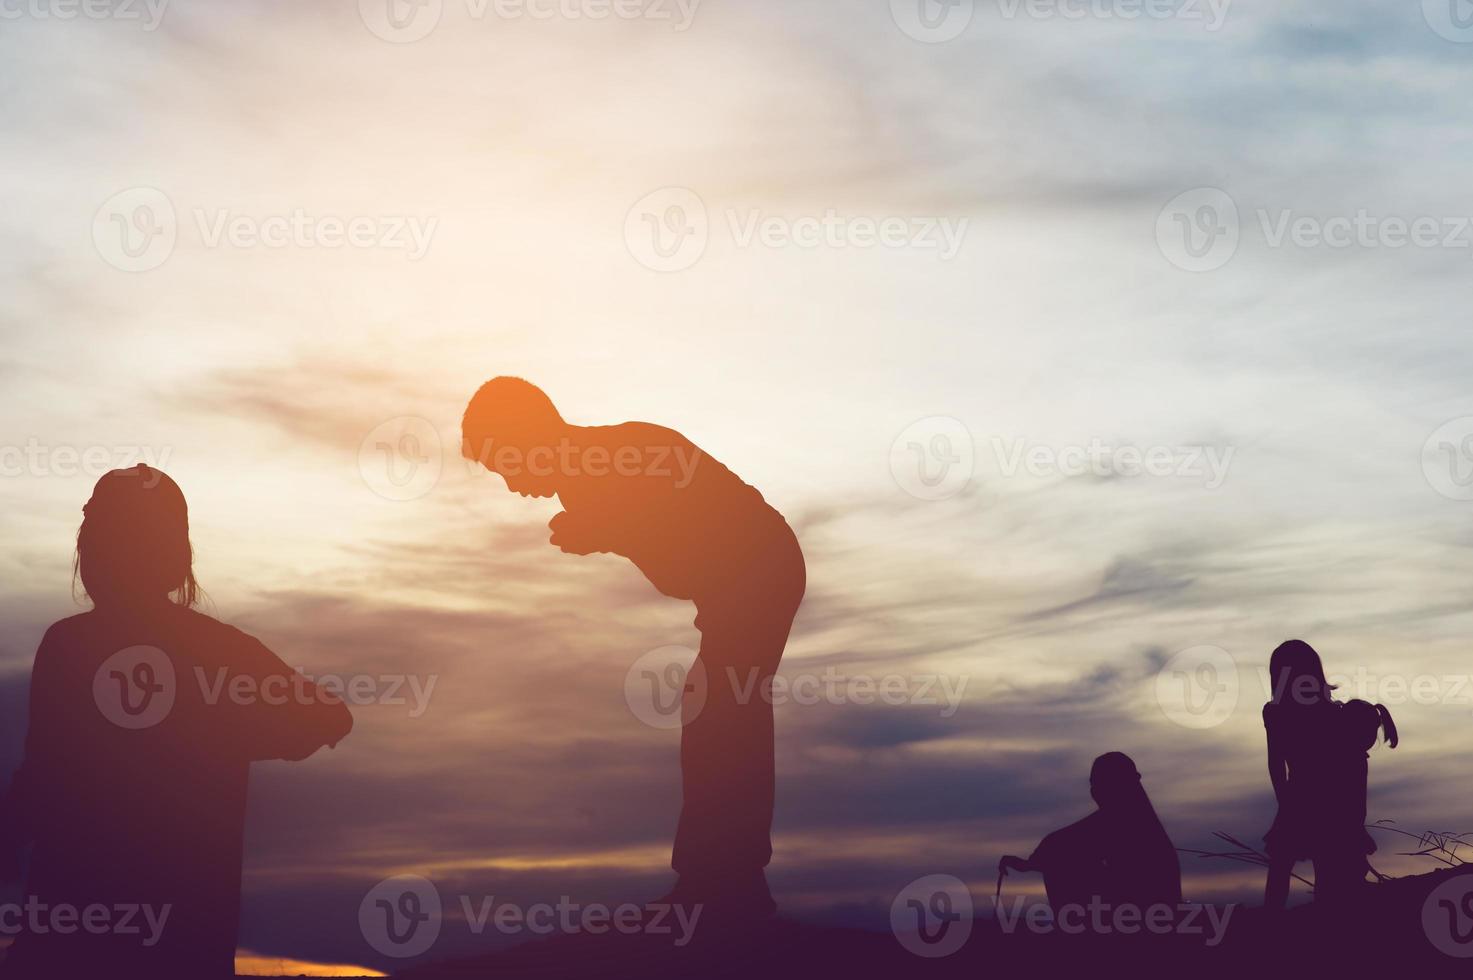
x: 697, y: 532
x: 144, y: 719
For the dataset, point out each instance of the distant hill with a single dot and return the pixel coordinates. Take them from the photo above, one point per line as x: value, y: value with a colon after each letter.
x: 1384, y: 937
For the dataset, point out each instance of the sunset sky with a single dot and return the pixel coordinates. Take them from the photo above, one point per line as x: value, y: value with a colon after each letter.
x: 531, y: 155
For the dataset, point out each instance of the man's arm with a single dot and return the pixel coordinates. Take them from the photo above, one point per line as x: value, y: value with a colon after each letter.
x: 642, y: 494
x: 579, y: 536
x: 587, y: 532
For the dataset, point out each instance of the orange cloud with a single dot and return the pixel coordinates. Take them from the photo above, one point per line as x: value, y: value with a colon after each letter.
x: 248, y: 964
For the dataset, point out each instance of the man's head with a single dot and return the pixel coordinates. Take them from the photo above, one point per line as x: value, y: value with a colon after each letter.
x: 512, y: 428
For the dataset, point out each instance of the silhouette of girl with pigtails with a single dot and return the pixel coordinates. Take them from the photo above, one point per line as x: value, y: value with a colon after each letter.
x: 1317, y: 763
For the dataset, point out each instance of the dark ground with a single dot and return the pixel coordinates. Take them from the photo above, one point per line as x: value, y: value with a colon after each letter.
x: 1383, y: 937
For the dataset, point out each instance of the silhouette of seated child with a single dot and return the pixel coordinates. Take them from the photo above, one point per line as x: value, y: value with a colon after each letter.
x: 1119, y: 854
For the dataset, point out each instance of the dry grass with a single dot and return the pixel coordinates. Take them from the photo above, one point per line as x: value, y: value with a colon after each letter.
x: 1439, y: 845
x: 1242, y: 853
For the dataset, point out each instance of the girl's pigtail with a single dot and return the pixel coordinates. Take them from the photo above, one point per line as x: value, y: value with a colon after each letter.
x: 1387, y: 725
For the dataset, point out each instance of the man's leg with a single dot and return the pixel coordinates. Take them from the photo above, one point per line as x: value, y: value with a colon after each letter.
x: 724, y: 839
x: 726, y: 761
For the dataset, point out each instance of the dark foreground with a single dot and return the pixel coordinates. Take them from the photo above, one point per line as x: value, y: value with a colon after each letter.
x: 1386, y: 936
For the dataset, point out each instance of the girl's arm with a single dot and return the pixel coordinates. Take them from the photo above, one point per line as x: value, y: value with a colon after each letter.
x: 1278, y: 769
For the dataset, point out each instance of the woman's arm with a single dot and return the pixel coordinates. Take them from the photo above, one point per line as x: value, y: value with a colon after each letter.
x: 290, y: 717
x: 23, y: 801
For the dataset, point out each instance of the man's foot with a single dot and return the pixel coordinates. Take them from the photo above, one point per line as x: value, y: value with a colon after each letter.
x: 720, y: 906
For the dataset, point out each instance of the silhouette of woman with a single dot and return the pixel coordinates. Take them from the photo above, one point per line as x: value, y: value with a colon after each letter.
x: 1317, y: 764
x: 1120, y: 853
x: 144, y: 718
